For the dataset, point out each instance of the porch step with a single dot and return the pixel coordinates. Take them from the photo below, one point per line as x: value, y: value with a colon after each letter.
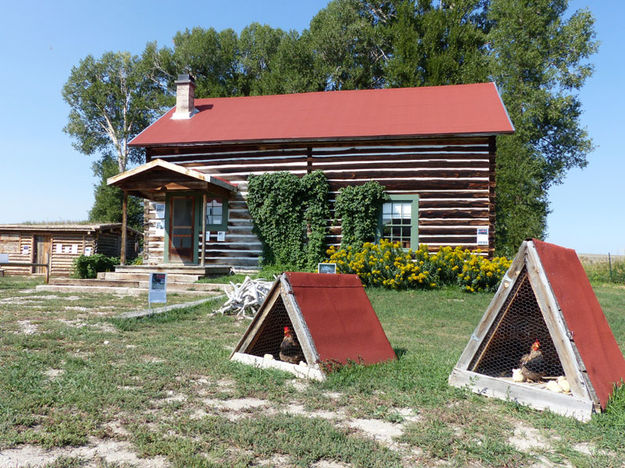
x: 57, y: 281
x: 145, y: 276
x: 202, y: 271
x: 124, y: 291
x: 139, y: 285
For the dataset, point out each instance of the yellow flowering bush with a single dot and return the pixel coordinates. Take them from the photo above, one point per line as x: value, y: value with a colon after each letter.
x: 385, y: 264
x: 481, y: 274
x: 388, y: 265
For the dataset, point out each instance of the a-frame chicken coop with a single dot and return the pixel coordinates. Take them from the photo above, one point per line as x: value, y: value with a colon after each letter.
x: 544, y: 297
x: 333, y: 323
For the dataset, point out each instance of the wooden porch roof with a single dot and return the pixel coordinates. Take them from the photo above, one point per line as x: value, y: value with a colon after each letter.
x: 162, y: 176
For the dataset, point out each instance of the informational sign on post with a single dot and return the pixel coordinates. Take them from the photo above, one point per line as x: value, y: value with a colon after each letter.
x: 482, y: 235
x: 158, y: 288
x: 326, y: 268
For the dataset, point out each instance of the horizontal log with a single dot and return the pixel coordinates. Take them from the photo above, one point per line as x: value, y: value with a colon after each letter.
x: 399, y: 174
x: 446, y: 239
x: 453, y: 203
x: 417, y: 185
x: 155, y: 151
x: 430, y: 148
x: 452, y: 222
x: 410, y: 164
x: 443, y: 230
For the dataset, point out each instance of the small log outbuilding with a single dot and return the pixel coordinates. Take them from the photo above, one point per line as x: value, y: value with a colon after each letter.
x: 60, y: 244
x: 332, y: 320
x: 432, y: 148
x: 544, y: 297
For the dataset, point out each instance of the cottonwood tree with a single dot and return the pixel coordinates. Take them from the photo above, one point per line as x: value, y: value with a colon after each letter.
x: 539, y: 58
x: 111, y: 100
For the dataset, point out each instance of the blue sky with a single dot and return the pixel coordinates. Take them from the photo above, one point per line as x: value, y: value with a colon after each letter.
x: 42, y: 178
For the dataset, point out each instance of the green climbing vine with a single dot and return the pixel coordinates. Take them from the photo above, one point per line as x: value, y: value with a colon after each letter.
x: 289, y: 215
x: 358, y: 207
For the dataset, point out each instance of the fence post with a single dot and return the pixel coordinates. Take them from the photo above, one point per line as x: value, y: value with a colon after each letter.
x: 610, y: 266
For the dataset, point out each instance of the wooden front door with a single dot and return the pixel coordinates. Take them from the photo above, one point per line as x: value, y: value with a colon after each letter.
x: 41, y: 254
x: 181, y: 229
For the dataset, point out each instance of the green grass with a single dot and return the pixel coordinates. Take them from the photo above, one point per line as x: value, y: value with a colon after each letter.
x: 604, y: 272
x: 83, y: 372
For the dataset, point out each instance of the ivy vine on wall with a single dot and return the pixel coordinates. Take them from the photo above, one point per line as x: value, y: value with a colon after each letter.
x: 358, y: 207
x: 290, y: 217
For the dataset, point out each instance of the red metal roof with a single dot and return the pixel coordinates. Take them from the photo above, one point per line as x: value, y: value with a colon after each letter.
x: 340, y: 318
x: 583, y: 315
x: 472, y: 109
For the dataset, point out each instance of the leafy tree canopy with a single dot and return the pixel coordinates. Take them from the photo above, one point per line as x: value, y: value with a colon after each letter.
x: 536, y: 52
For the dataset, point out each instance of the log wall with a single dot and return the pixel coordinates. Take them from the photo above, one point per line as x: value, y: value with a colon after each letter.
x: 453, y: 177
x: 62, y: 248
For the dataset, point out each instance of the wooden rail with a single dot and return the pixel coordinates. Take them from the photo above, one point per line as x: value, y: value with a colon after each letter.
x: 46, y: 265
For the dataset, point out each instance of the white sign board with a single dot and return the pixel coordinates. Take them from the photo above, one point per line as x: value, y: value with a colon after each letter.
x: 326, y: 268
x: 221, y: 236
x: 482, y: 235
x: 74, y: 248
x: 59, y: 248
x: 158, y: 288
x: 25, y: 249
x: 4, y: 258
x: 160, y: 210
x: 88, y: 251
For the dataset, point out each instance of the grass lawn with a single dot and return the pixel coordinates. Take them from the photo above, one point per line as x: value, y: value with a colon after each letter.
x: 78, y: 386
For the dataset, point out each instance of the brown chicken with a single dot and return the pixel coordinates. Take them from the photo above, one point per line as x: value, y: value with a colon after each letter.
x: 290, y: 350
x: 532, y: 363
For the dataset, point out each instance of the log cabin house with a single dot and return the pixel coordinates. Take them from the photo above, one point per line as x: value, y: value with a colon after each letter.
x: 60, y: 244
x: 432, y: 148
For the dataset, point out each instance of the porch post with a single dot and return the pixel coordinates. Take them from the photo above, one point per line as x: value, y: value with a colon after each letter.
x: 122, y: 256
x: 203, y: 227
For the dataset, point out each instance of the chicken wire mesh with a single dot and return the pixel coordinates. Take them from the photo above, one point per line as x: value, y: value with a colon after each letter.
x: 517, y: 326
x: 271, y: 333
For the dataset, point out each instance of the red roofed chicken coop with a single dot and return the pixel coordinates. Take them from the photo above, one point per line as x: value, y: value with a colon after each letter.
x: 332, y: 321
x: 544, y: 340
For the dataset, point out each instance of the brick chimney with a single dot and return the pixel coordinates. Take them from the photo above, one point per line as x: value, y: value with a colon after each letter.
x: 185, y: 97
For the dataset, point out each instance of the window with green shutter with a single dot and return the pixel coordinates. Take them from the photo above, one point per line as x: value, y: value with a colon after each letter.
x: 399, y: 220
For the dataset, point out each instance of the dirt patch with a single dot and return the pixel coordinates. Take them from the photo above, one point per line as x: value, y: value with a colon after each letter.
x: 27, y: 327
x: 53, y: 373
x: 329, y: 464
x: 299, y: 385
x: 106, y: 451
x: 173, y: 397
x: 301, y: 411
x: 237, y: 404
x: 381, y: 431
x: 528, y: 439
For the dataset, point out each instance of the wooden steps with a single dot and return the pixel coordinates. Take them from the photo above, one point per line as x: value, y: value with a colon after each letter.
x: 134, y: 280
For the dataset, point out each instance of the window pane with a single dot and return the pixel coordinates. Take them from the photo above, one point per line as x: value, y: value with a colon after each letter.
x: 214, y: 212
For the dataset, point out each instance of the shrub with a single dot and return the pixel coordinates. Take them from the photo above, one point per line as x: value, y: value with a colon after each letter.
x: 388, y: 265
x: 359, y: 207
x: 90, y: 266
x: 290, y: 216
